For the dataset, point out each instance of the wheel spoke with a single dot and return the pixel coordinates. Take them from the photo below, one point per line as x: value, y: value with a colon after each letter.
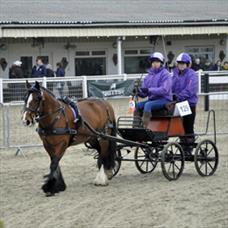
x: 147, y: 166
x: 201, y: 165
x: 210, y: 165
x: 141, y: 164
x: 177, y: 149
x: 206, y: 144
x: 173, y: 171
x: 210, y: 151
x: 206, y: 168
x: 169, y: 167
x: 177, y: 166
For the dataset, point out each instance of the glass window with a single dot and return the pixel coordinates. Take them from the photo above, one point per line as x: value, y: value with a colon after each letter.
x: 204, y: 53
x: 82, y: 53
x: 98, y: 52
x: 90, y: 66
x: 136, y: 64
x: 146, y: 51
x: 131, y: 52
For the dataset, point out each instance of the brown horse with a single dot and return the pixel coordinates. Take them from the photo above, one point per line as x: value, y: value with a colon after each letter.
x: 58, y: 130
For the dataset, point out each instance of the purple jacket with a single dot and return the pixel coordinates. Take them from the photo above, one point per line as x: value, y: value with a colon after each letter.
x: 185, y: 85
x: 159, y: 83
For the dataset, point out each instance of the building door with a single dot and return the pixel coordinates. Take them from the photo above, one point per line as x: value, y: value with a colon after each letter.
x: 26, y: 66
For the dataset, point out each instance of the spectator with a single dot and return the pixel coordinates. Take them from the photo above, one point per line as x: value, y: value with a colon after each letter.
x: 60, y: 72
x: 15, y: 71
x: 39, y: 70
x: 197, y: 65
x: 208, y: 66
x: 225, y: 66
x: 50, y: 73
x: 218, y: 65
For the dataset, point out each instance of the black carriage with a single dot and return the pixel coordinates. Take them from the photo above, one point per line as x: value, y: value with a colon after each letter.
x: 153, y: 145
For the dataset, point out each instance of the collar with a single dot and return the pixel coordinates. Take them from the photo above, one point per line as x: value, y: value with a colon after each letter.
x: 155, y: 70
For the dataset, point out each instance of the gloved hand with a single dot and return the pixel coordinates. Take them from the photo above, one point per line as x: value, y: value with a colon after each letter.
x: 135, y: 90
x: 175, y: 98
x: 144, y: 90
x: 140, y: 93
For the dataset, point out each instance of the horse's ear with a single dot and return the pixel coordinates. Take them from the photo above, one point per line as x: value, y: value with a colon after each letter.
x: 37, y: 85
x: 28, y: 85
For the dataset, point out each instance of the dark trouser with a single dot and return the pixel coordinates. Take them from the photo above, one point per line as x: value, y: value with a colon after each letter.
x: 188, y: 122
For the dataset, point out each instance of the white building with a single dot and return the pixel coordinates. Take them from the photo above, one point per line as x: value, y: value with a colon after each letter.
x: 93, y: 34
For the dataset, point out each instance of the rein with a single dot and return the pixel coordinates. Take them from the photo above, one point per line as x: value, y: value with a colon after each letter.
x: 40, y: 116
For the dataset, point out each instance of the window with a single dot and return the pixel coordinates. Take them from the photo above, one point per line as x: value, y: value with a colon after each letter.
x: 204, y: 53
x: 90, y: 66
x: 136, y: 61
x: 90, y: 62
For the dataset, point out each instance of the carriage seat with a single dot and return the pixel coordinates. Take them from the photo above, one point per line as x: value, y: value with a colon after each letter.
x: 168, y: 110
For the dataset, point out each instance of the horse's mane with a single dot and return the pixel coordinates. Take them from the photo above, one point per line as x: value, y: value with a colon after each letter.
x: 48, y: 91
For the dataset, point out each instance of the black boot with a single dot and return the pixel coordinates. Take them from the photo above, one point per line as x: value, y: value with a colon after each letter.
x: 146, y: 119
x: 137, y: 121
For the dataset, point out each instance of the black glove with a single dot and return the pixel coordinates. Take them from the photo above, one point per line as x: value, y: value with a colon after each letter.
x: 144, y: 90
x: 135, y: 90
x: 140, y: 93
x: 175, y: 98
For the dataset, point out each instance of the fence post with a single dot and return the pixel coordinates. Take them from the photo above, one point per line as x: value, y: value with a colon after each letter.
x: 84, y: 87
x: 206, y: 90
x: 199, y: 81
x: 6, y: 125
x: 125, y: 77
x: 1, y: 90
x: 44, y: 83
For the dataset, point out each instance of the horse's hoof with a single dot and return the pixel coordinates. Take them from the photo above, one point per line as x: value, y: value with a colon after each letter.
x: 98, y: 182
x: 49, y: 194
x: 45, y: 188
x: 109, y: 174
x: 62, y: 187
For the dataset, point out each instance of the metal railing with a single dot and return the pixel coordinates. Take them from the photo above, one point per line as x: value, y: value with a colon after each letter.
x: 14, y: 135
x: 77, y: 86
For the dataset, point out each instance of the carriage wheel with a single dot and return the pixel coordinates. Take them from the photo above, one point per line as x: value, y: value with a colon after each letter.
x: 172, y: 161
x: 206, y: 158
x: 146, y: 159
x: 117, y: 163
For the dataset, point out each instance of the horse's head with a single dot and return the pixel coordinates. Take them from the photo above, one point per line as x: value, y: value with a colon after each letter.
x: 32, y: 104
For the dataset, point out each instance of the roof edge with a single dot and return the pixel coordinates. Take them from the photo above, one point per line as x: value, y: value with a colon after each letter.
x: 112, y: 23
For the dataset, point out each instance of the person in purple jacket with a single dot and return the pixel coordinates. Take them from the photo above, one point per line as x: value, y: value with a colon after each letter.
x: 156, y: 86
x: 185, y: 88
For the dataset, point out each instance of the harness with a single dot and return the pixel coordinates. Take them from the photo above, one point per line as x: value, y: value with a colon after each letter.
x: 49, y: 130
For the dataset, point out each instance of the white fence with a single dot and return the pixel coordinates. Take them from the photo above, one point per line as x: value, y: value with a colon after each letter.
x: 12, y: 90
x: 13, y: 133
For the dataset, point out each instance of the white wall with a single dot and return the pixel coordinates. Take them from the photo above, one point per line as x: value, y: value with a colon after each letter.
x: 56, y: 50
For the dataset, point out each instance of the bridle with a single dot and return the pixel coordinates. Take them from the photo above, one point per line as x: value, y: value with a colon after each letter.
x: 38, y: 99
x: 38, y: 114
x: 54, y: 115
